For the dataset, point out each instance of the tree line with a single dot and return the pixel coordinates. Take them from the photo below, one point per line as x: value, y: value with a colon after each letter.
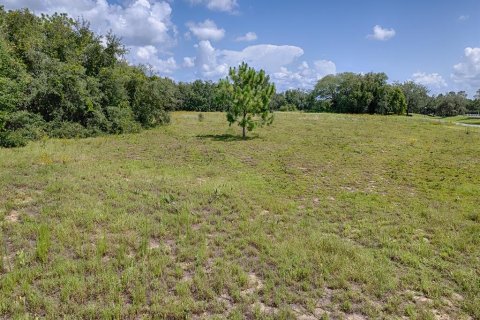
x: 370, y: 93
x: 60, y: 79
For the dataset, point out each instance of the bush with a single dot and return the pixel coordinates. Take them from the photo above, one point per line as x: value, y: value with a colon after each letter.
x: 12, y: 139
x: 67, y: 130
x: 17, y: 128
x: 97, y: 123
x: 122, y: 120
x: 150, y: 100
x: 288, y: 107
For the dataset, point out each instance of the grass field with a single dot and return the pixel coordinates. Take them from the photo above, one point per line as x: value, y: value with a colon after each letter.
x: 319, y: 216
x: 475, y: 121
x: 456, y: 119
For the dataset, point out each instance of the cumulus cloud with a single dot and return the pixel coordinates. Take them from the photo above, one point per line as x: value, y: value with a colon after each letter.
x: 189, y: 62
x: 249, y: 36
x: 467, y: 72
x: 325, y: 67
x: 381, y: 34
x: 144, y: 25
x: 304, y: 76
x: 463, y: 17
x: 207, y: 61
x: 266, y: 56
x: 148, y: 55
x: 206, y: 30
x: 211, y: 63
x: 431, y: 80
x: 218, y: 5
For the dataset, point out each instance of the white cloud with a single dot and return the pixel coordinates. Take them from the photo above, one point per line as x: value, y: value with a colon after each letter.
x: 463, y: 17
x: 188, y: 62
x: 211, y: 63
x: 148, y: 55
x: 207, y: 61
x: 431, y: 80
x: 266, y: 56
x: 147, y: 52
x: 325, y: 67
x: 305, y: 77
x: 218, y: 5
x: 467, y: 72
x: 206, y: 30
x: 249, y: 36
x: 381, y: 34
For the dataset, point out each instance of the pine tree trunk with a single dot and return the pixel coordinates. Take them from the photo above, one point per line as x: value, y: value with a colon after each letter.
x: 244, y: 133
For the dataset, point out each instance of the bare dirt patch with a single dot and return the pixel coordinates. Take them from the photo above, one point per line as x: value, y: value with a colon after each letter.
x: 263, y: 308
x: 355, y: 316
x: 255, y: 284
x: 13, y: 216
x: 153, y: 244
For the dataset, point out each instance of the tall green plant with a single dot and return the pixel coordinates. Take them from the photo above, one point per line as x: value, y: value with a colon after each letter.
x: 247, y: 94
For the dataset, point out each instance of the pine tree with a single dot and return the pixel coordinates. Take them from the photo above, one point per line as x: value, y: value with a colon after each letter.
x: 247, y: 94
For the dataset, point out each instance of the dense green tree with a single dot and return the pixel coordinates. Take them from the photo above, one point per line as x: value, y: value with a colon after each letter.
x: 199, y: 96
x: 356, y: 93
x: 394, y: 102
x: 297, y: 98
x: 13, y: 80
x: 375, y: 91
x: 451, y: 104
x: 248, y: 93
x: 474, y: 105
x: 416, y: 96
x: 277, y: 101
x: 292, y: 99
x: 150, y: 99
x: 59, y: 78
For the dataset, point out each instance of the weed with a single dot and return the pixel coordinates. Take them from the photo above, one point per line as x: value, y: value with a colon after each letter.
x: 43, y: 243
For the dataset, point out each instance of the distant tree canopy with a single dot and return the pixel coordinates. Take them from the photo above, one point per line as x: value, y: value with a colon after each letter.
x: 202, y: 96
x: 59, y: 79
x: 370, y: 93
x: 356, y: 93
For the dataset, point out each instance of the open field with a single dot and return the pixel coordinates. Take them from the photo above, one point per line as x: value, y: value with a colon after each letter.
x: 456, y: 119
x: 319, y: 216
x: 475, y: 121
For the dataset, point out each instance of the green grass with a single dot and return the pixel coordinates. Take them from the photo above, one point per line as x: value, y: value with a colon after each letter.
x: 456, y: 119
x: 475, y: 121
x: 320, y: 215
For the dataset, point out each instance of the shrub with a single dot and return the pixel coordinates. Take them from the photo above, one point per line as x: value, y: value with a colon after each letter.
x: 288, y: 107
x: 17, y: 128
x: 122, y: 120
x: 12, y: 139
x: 67, y: 130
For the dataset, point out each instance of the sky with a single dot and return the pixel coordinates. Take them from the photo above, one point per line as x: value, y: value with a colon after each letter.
x: 432, y: 42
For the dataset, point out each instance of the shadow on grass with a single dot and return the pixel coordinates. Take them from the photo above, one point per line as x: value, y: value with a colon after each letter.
x: 225, y: 137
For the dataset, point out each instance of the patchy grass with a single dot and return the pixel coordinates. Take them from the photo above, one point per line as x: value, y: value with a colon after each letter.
x: 475, y: 121
x: 320, y: 216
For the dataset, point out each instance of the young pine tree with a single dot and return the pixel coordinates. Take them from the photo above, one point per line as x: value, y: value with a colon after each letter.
x: 247, y: 94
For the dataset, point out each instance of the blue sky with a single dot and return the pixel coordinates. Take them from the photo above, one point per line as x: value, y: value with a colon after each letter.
x: 435, y: 43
